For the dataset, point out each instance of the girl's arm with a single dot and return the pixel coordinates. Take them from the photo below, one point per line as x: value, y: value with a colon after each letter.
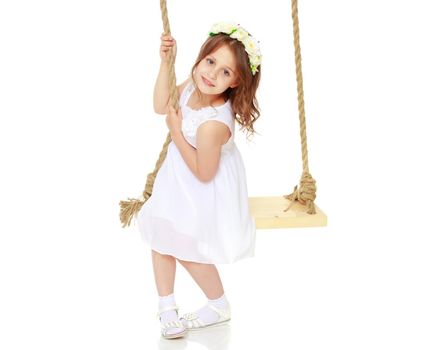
x: 188, y: 152
x: 161, y: 90
x: 204, y: 160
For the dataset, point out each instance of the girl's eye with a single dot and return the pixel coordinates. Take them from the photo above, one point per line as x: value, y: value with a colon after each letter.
x: 227, y: 73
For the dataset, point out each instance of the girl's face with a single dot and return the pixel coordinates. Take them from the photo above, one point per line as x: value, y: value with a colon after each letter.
x: 216, y: 72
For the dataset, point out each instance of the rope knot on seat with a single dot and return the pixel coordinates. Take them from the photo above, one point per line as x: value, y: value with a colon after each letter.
x: 306, y: 194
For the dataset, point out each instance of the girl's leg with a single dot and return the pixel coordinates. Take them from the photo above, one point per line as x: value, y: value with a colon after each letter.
x: 206, y: 276
x: 164, y: 271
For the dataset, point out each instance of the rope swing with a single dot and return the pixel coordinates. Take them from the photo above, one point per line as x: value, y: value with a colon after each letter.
x: 268, y: 211
x: 306, y: 193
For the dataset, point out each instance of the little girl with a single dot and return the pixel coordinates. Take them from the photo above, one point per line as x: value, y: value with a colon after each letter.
x: 198, y: 213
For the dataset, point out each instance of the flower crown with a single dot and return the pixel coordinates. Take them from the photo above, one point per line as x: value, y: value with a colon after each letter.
x: 235, y: 31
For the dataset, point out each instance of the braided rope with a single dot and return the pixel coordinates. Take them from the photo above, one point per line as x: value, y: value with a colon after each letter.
x: 306, y: 193
x: 132, y: 206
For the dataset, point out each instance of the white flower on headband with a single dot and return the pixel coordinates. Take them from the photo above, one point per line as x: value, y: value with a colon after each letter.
x: 223, y: 27
x: 240, y: 34
x: 235, y: 31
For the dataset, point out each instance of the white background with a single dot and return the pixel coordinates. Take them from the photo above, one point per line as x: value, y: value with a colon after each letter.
x: 78, y: 134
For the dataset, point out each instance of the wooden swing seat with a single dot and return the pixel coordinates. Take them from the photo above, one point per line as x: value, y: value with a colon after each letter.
x: 268, y: 212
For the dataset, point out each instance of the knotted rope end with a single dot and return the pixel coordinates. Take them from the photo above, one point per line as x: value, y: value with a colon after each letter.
x: 128, y: 209
x: 305, y: 194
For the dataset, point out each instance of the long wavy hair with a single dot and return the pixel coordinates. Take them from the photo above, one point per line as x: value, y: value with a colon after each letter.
x: 243, y: 97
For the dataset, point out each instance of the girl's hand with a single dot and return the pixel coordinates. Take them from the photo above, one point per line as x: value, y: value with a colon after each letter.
x: 168, y: 47
x: 174, y: 120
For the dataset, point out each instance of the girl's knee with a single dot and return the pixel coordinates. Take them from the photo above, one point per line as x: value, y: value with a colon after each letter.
x: 162, y: 255
x: 183, y: 262
x: 187, y: 262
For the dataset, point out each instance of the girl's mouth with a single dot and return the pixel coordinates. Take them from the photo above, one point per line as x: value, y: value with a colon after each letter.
x: 207, y: 82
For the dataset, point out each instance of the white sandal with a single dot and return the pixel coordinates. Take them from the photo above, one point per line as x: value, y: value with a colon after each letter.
x: 195, y: 323
x: 172, y: 324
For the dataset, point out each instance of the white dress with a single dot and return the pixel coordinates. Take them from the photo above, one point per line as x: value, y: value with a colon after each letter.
x: 206, y: 222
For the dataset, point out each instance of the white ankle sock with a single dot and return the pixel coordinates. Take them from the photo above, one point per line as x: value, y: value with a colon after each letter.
x: 221, y: 302
x: 206, y: 314
x: 169, y: 315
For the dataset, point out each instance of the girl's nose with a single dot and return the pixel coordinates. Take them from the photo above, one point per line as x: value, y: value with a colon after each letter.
x: 213, y: 74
